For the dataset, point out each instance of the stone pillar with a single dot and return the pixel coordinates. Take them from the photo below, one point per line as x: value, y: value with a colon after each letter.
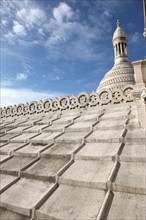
x: 140, y: 90
x: 140, y: 72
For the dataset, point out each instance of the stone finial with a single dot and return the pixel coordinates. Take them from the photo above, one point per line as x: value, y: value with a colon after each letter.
x: 118, y: 23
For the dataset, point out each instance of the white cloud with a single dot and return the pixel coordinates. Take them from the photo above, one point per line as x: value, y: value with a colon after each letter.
x: 4, y: 23
x: 31, y: 16
x: 62, y: 12
x: 21, y: 76
x: 135, y: 38
x: 11, y: 96
x: 19, y: 30
x: 6, y: 83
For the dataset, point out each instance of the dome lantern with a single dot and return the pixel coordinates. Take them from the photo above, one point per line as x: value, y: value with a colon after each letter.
x: 120, y: 42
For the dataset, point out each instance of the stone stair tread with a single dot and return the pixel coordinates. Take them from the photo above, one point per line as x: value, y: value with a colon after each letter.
x: 3, y: 157
x: 10, y: 147
x: 60, y: 149
x: 133, y: 152
x: 88, y: 173
x: 127, y: 206
x: 17, y: 130
x: 46, y: 167
x: 72, y: 202
x: 15, y: 163
x: 98, y: 150
x: 25, y: 194
x: 9, y: 215
x: 5, y: 180
x: 71, y: 137
x: 105, y: 136
x: 30, y: 149
x: 44, y: 137
x: 131, y: 178
x: 23, y: 137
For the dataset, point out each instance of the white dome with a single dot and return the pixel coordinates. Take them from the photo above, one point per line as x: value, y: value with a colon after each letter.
x: 119, y: 32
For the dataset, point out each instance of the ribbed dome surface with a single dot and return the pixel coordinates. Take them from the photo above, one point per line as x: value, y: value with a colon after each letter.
x: 118, y: 76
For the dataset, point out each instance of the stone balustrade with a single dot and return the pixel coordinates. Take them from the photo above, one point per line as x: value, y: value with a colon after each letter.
x: 104, y: 97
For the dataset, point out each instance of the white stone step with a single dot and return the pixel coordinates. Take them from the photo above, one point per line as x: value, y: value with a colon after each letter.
x: 27, y: 194
x: 61, y: 150
x: 80, y: 126
x: 8, y: 148
x: 45, y: 169
x: 88, y: 173
x: 9, y: 215
x: 134, y: 153
x: 105, y: 136
x: 131, y: 178
x: 23, y: 138
x: 5, y: 180
x: 136, y: 136
x: 127, y: 206
x: 71, y: 137
x: 17, y: 130
x: 44, y: 138
x: 7, y: 137
x: 98, y: 151
x: 72, y: 202
x: 30, y: 150
x: 110, y: 124
x: 13, y: 165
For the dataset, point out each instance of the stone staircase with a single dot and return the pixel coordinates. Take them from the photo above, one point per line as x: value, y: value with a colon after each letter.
x: 79, y: 164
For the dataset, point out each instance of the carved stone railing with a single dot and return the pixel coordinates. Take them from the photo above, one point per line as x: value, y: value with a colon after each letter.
x: 104, y: 97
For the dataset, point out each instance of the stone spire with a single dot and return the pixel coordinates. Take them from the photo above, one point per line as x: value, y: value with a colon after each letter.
x: 122, y: 73
x: 120, y: 42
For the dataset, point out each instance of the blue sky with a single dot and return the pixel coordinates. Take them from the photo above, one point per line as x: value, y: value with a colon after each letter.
x: 52, y: 48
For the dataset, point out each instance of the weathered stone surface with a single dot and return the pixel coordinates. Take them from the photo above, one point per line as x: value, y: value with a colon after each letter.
x: 88, y: 173
x: 108, y: 124
x: 27, y: 194
x: 131, y: 178
x: 134, y: 152
x: 17, y: 130
x: 127, y: 206
x: 72, y: 202
x: 80, y: 126
x: 8, y: 215
x: 30, y: 150
x: 5, y: 180
x: 105, y: 136
x: 10, y: 147
x: 44, y: 138
x: 15, y: 164
x: 7, y: 137
x: 56, y: 127
x: 35, y: 129
x: 45, y: 168
x: 71, y: 137
x: 60, y: 149
x: 88, y: 117
x: 98, y: 151
x: 3, y: 157
x: 23, y: 138
x: 136, y: 135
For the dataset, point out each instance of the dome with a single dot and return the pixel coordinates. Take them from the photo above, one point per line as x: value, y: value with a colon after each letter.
x: 118, y: 76
x: 119, y: 32
x: 122, y: 73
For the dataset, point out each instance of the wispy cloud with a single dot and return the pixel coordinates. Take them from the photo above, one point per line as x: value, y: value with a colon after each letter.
x: 136, y: 37
x: 63, y: 12
x: 11, y: 96
x: 21, y: 76
x: 60, y: 30
x: 19, y: 29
